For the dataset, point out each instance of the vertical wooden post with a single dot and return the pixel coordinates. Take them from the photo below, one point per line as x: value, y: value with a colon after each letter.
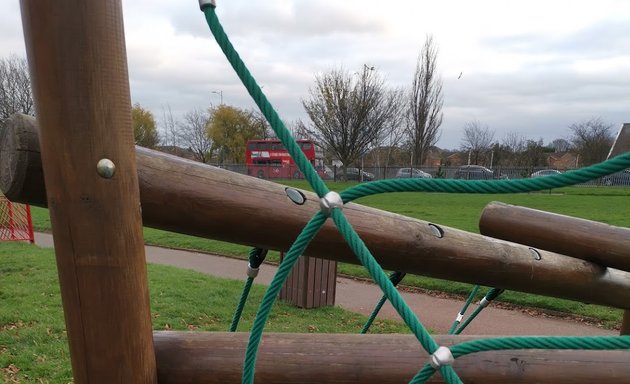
x: 78, y: 66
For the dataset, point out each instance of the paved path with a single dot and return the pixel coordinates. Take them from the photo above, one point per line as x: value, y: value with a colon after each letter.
x: 435, y: 313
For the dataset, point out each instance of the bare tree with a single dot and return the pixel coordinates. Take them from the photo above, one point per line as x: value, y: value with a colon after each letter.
x: 349, y: 112
x: 560, y: 145
x: 193, y: 133
x: 477, y: 140
x: 170, y: 136
x: 15, y: 88
x: 424, y: 113
x: 592, y: 140
x: 394, y: 133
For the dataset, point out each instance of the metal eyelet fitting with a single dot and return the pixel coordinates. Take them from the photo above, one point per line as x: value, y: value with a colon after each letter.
x: 441, y: 357
x: 252, y: 272
x: 329, y: 202
x: 207, y: 3
x: 295, y: 196
x: 105, y: 168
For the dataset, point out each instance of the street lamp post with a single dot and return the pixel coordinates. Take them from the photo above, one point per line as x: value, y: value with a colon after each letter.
x: 220, y: 93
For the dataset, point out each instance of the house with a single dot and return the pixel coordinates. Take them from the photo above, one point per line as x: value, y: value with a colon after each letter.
x: 562, y: 160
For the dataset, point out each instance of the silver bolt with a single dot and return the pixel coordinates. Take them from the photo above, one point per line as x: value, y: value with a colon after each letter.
x: 105, y: 168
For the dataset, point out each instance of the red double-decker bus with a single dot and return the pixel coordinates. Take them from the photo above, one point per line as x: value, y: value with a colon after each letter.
x: 269, y: 159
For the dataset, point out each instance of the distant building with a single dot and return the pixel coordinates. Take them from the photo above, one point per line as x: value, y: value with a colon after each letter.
x: 457, y: 159
x: 562, y: 160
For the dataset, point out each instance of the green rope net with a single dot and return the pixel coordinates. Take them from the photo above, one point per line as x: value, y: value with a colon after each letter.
x: 364, y: 255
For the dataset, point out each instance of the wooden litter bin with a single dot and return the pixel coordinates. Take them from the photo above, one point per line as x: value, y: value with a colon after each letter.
x: 311, y: 283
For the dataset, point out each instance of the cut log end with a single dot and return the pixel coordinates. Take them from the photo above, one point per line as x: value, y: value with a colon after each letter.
x: 20, y: 161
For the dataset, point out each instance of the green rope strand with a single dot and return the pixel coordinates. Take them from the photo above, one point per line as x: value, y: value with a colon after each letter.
x: 261, y: 101
x: 488, y: 186
x: 256, y: 258
x: 363, y: 254
x: 241, y: 304
x: 461, y: 313
x: 493, y: 294
x: 297, y: 248
x: 401, y: 185
x: 395, y: 278
x: 596, y: 343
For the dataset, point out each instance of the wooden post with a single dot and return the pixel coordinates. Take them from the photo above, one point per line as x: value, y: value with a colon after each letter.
x: 77, y: 60
x: 184, y: 196
x: 589, y: 240
x: 585, y: 239
x: 285, y: 358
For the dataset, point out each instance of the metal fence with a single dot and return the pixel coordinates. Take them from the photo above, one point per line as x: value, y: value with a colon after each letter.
x: 15, y: 221
x: 619, y: 179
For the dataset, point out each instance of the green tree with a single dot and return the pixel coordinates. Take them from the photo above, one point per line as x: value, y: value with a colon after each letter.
x: 144, y: 127
x: 230, y: 128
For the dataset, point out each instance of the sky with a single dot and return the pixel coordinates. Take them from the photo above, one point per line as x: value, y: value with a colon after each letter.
x: 528, y: 67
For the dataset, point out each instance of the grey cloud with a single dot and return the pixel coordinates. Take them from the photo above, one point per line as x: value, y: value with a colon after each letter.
x: 301, y: 19
x: 603, y: 39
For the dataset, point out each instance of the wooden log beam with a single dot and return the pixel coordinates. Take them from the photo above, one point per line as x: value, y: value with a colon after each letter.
x: 189, y: 197
x: 78, y: 67
x: 195, y: 358
x: 584, y: 239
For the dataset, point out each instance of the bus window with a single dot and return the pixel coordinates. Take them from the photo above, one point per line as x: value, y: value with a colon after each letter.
x: 306, y: 146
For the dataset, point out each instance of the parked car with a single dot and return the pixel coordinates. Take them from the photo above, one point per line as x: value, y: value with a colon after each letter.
x: 352, y: 174
x: 476, y: 172
x: 407, y: 173
x: 619, y: 179
x: 545, y: 172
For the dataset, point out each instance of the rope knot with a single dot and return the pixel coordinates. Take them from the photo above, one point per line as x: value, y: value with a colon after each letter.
x: 441, y: 357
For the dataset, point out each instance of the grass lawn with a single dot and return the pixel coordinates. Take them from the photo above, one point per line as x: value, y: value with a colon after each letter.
x: 462, y: 211
x: 33, y: 344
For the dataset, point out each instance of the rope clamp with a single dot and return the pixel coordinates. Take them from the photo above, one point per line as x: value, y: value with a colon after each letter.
x: 329, y: 202
x: 252, y: 272
x: 206, y: 3
x: 484, y: 302
x: 459, y: 318
x: 441, y: 357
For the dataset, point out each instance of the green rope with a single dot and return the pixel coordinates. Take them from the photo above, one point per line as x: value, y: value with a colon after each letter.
x: 461, y: 313
x: 297, y: 248
x: 376, y: 272
x: 256, y: 258
x: 395, y: 278
x: 488, y: 186
x: 597, y: 343
x: 265, y: 106
x: 493, y: 294
x: 363, y: 254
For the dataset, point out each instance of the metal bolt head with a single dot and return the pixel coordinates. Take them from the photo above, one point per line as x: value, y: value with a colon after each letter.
x: 105, y: 168
x: 329, y: 202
